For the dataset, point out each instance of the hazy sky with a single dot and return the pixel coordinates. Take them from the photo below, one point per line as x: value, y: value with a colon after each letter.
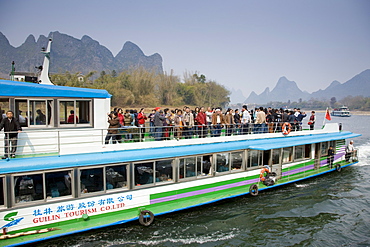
x: 241, y: 44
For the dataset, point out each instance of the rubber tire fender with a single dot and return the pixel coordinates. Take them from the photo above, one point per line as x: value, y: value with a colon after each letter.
x: 338, y: 167
x: 146, y: 218
x: 253, y: 190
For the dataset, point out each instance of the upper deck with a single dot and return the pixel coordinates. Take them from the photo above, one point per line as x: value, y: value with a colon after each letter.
x: 89, y: 154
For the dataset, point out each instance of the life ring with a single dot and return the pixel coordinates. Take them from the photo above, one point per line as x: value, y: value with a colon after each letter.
x: 286, y: 128
x: 338, y: 167
x: 253, y: 189
x: 263, y: 173
x: 146, y: 217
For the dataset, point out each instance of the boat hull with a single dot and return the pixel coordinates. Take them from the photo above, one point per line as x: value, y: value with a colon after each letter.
x: 159, y: 200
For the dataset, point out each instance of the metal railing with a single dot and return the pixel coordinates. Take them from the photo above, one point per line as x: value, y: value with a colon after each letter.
x: 51, y: 141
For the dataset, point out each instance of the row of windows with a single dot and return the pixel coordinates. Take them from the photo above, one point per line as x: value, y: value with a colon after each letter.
x: 44, y: 186
x: 51, y: 113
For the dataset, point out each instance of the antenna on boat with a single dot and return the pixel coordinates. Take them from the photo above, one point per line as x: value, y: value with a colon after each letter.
x: 44, y: 76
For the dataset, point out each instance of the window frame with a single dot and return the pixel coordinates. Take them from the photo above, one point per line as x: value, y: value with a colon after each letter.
x: 75, y: 124
x: 127, y: 187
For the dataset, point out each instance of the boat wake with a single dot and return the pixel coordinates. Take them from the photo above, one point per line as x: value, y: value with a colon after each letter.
x: 364, y: 154
x: 174, y: 241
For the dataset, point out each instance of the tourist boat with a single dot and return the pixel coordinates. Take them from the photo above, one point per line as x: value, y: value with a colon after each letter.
x: 341, y: 112
x: 66, y: 180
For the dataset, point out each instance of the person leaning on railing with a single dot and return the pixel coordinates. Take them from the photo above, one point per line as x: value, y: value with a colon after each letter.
x: 11, y: 129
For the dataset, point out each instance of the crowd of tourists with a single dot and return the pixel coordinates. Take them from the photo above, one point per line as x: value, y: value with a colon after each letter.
x: 164, y: 124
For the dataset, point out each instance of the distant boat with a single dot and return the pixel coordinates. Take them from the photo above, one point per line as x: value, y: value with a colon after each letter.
x: 341, y: 112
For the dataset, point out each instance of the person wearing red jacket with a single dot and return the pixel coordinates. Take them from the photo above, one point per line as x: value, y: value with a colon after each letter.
x: 141, y: 117
x: 202, y: 122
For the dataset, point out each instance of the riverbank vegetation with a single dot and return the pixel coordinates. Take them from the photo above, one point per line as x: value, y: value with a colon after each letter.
x: 139, y: 87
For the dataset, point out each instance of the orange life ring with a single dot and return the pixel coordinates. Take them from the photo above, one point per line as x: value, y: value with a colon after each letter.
x: 286, y: 128
x: 263, y: 173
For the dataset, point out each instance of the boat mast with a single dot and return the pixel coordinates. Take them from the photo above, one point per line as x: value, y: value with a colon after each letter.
x: 12, y: 73
x: 44, y: 77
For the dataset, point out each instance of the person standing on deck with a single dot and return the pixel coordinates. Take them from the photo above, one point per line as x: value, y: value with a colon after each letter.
x: 330, y: 158
x: 127, y: 120
x: 246, y: 119
x: 141, y: 117
x: 178, y: 122
x: 11, y: 129
x: 188, y: 123
x: 158, y: 124
x: 237, y: 120
x: 350, y: 151
x: 202, y: 122
x: 151, y: 123
x: 312, y: 120
x: 218, y: 121
x: 229, y: 122
x: 113, y: 121
x: 260, y: 120
x: 299, y: 119
x: 209, y: 114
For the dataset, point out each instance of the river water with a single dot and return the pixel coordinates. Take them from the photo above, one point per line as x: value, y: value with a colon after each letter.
x: 330, y: 210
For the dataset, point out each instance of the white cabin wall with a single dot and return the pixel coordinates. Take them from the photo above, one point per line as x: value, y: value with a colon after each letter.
x: 101, y: 108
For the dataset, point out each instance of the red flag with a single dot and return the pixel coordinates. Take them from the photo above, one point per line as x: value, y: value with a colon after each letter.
x: 327, y: 115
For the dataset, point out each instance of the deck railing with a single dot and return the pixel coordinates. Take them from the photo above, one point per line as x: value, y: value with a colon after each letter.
x: 32, y: 142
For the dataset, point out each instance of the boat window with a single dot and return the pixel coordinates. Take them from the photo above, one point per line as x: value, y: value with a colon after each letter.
x: 203, y: 165
x: 4, y: 105
x: 287, y: 154
x: 236, y: 160
x: 266, y: 157
x: 144, y: 173
x: 2, y: 191
x: 28, y: 188
x: 307, y: 151
x: 83, y: 111
x: 276, y: 156
x: 222, y: 162
x: 21, y: 112
x: 65, y: 107
x: 58, y: 184
x: 299, y: 152
x: 163, y: 171
x: 116, y: 177
x: 91, y: 180
x: 253, y: 158
x: 74, y: 112
x: 39, y: 112
x: 187, y: 167
x: 324, y: 148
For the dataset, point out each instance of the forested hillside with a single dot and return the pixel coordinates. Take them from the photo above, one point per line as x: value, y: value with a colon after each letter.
x: 142, y: 88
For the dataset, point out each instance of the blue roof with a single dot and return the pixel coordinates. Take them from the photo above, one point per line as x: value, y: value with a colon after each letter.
x: 273, y: 143
x: 28, y: 89
x: 79, y: 160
